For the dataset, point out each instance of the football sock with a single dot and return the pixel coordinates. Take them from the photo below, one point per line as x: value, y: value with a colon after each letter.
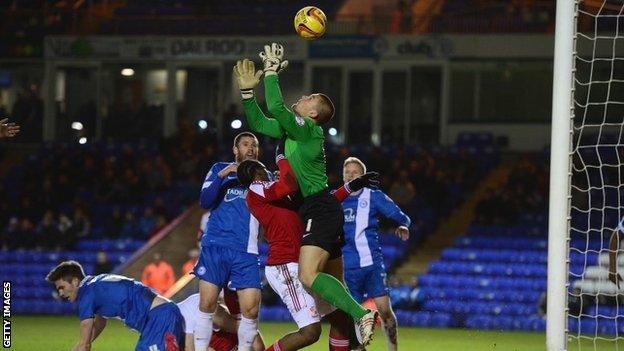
x: 247, y: 330
x: 275, y: 347
x: 332, y: 291
x: 203, y: 330
x: 337, y: 343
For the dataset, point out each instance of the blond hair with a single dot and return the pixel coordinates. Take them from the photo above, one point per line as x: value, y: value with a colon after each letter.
x: 355, y: 160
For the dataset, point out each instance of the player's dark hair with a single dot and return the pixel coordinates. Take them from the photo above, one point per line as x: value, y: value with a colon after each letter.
x: 325, y: 109
x: 66, y: 270
x: 246, y: 171
x: 242, y: 135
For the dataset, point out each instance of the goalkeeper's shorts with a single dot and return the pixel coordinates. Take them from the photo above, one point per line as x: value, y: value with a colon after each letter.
x: 323, y: 222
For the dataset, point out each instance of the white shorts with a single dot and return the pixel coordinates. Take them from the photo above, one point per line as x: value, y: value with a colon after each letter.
x: 284, y: 279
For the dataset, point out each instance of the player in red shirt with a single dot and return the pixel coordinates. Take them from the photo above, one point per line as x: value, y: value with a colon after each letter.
x: 270, y: 202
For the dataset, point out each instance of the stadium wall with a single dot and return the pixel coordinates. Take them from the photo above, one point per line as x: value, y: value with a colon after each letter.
x: 377, y: 54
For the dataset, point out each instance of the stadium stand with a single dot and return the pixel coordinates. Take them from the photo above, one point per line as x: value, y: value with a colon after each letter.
x: 120, y: 221
x: 69, y: 201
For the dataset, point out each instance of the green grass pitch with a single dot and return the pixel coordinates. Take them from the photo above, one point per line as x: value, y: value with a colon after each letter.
x: 61, y: 333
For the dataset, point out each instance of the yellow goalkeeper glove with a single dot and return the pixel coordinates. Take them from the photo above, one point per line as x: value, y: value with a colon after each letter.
x: 246, y: 77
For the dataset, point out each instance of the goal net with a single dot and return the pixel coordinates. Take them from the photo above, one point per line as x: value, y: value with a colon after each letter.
x: 595, y: 308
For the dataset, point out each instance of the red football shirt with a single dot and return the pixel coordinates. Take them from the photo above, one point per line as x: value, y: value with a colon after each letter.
x: 269, y: 204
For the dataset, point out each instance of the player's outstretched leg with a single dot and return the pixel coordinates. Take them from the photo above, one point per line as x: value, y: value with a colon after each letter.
x: 312, y: 259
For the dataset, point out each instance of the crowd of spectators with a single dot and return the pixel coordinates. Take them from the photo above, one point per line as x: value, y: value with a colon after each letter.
x: 525, y: 191
x: 67, y: 192
x: 25, y: 19
x: 27, y: 110
x: 36, y: 18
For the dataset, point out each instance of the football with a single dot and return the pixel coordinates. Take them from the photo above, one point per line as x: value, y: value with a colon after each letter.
x: 310, y: 22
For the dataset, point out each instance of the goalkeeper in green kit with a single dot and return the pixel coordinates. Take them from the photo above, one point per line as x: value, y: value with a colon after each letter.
x: 322, y: 215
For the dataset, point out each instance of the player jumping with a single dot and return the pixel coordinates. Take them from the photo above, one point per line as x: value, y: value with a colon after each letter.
x: 104, y: 296
x: 283, y: 230
x: 365, y: 272
x: 229, y: 247
x: 321, y: 213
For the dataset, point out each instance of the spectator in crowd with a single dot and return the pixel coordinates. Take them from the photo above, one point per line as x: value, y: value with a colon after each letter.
x: 114, y: 225
x: 8, y: 129
x: 158, y: 274
x: 82, y: 224
x: 67, y: 232
x: 130, y: 227
x: 524, y: 191
x: 193, y: 254
x: 102, y: 265
x: 47, y: 233
x: 147, y: 222
x: 10, y: 235
x: 402, y: 190
x: 26, y: 232
x: 161, y: 223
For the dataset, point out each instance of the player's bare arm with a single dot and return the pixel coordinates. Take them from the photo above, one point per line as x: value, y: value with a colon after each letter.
x: 86, y: 331
x: 98, y: 326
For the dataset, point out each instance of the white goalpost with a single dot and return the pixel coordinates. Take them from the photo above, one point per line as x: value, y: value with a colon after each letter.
x: 586, y: 176
x: 562, y: 115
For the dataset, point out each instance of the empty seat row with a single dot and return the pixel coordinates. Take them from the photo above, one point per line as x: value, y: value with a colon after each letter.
x: 13, y: 271
x: 486, y: 242
x: 481, y: 295
x: 596, y: 325
x: 35, y: 292
x: 488, y: 269
x: 110, y: 245
x: 53, y: 307
x: 488, y: 322
x: 54, y: 257
x: 521, y: 230
x: 493, y: 308
x: 490, y: 255
x: 454, y: 281
x: 27, y: 280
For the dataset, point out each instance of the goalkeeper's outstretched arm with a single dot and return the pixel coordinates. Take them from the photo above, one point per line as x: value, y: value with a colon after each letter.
x: 247, y: 78
x: 258, y: 122
x: 614, y: 247
x: 301, y: 131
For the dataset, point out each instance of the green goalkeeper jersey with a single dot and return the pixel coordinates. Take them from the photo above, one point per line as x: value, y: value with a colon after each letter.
x: 305, y: 140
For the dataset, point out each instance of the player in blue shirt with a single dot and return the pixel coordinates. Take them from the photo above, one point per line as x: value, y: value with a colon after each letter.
x: 365, y: 273
x: 104, y: 296
x: 229, y: 247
